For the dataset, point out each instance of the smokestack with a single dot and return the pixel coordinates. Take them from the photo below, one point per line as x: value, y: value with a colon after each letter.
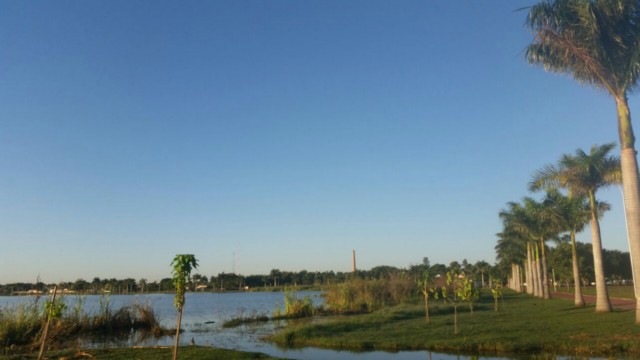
x: 353, y: 261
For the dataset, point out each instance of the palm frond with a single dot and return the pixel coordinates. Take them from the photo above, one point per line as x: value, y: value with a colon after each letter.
x: 596, y: 42
x: 547, y: 177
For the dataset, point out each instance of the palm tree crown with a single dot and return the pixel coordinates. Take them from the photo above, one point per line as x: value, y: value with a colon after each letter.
x: 595, y: 41
x: 582, y: 173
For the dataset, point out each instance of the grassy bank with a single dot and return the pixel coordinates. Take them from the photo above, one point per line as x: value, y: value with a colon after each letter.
x: 186, y: 353
x: 523, y: 325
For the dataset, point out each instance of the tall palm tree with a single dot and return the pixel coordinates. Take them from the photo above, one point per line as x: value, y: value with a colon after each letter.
x: 532, y: 219
x: 510, y: 250
x: 513, y: 244
x: 571, y: 214
x: 585, y: 174
x: 529, y: 271
x: 544, y: 227
x: 516, y: 225
x: 597, y: 42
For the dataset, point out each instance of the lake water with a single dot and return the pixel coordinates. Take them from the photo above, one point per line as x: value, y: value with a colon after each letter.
x: 204, y: 314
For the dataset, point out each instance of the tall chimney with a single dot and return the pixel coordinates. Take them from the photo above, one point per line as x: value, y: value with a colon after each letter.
x: 353, y: 261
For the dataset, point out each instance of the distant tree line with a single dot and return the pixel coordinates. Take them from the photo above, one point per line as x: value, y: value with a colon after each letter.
x: 617, y: 267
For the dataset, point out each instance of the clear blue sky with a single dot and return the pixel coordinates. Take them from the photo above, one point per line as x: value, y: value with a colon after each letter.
x: 285, y: 132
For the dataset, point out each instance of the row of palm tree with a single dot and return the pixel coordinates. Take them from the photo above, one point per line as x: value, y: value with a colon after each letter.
x: 597, y: 42
x: 529, y: 224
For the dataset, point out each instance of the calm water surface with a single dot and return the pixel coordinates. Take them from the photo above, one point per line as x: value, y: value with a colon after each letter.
x: 204, y: 314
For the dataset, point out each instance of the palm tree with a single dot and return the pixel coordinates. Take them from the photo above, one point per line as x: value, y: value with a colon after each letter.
x: 510, y: 251
x: 597, y: 42
x: 584, y: 174
x: 534, y: 220
x: 514, y: 245
x: 529, y: 271
x: 572, y: 215
x: 483, y: 268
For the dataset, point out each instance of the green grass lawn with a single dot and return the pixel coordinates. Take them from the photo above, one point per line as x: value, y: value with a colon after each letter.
x: 185, y: 353
x: 625, y: 292
x: 523, y: 325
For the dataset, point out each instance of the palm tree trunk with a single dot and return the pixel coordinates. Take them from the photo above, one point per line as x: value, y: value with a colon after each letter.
x: 536, y: 272
x: 545, y: 275
x: 534, y: 280
x: 578, y: 298
x: 529, y: 271
x: 518, y: 279
x: 510, y: 282
x: 512, y: 285
x: 631, y: 185
x: 602, y: 297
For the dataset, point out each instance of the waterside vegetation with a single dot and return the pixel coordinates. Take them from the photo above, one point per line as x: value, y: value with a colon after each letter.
x: 22, y: 326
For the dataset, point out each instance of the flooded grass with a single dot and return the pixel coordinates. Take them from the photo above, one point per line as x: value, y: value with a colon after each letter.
x: 295, y: 307
x: 235, y: 322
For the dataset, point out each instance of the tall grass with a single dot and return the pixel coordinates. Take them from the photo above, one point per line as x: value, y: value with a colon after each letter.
x: 21, y: 325
x: 366, y: 295
x: 294, y: 306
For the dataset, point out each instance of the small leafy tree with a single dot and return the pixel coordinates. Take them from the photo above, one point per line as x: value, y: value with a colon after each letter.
x: 182, y: 265
x: 53, y: 310
x: 425, y: 283
x: 470, y: 293
x: 454, y: 293
x: 496, y: 292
